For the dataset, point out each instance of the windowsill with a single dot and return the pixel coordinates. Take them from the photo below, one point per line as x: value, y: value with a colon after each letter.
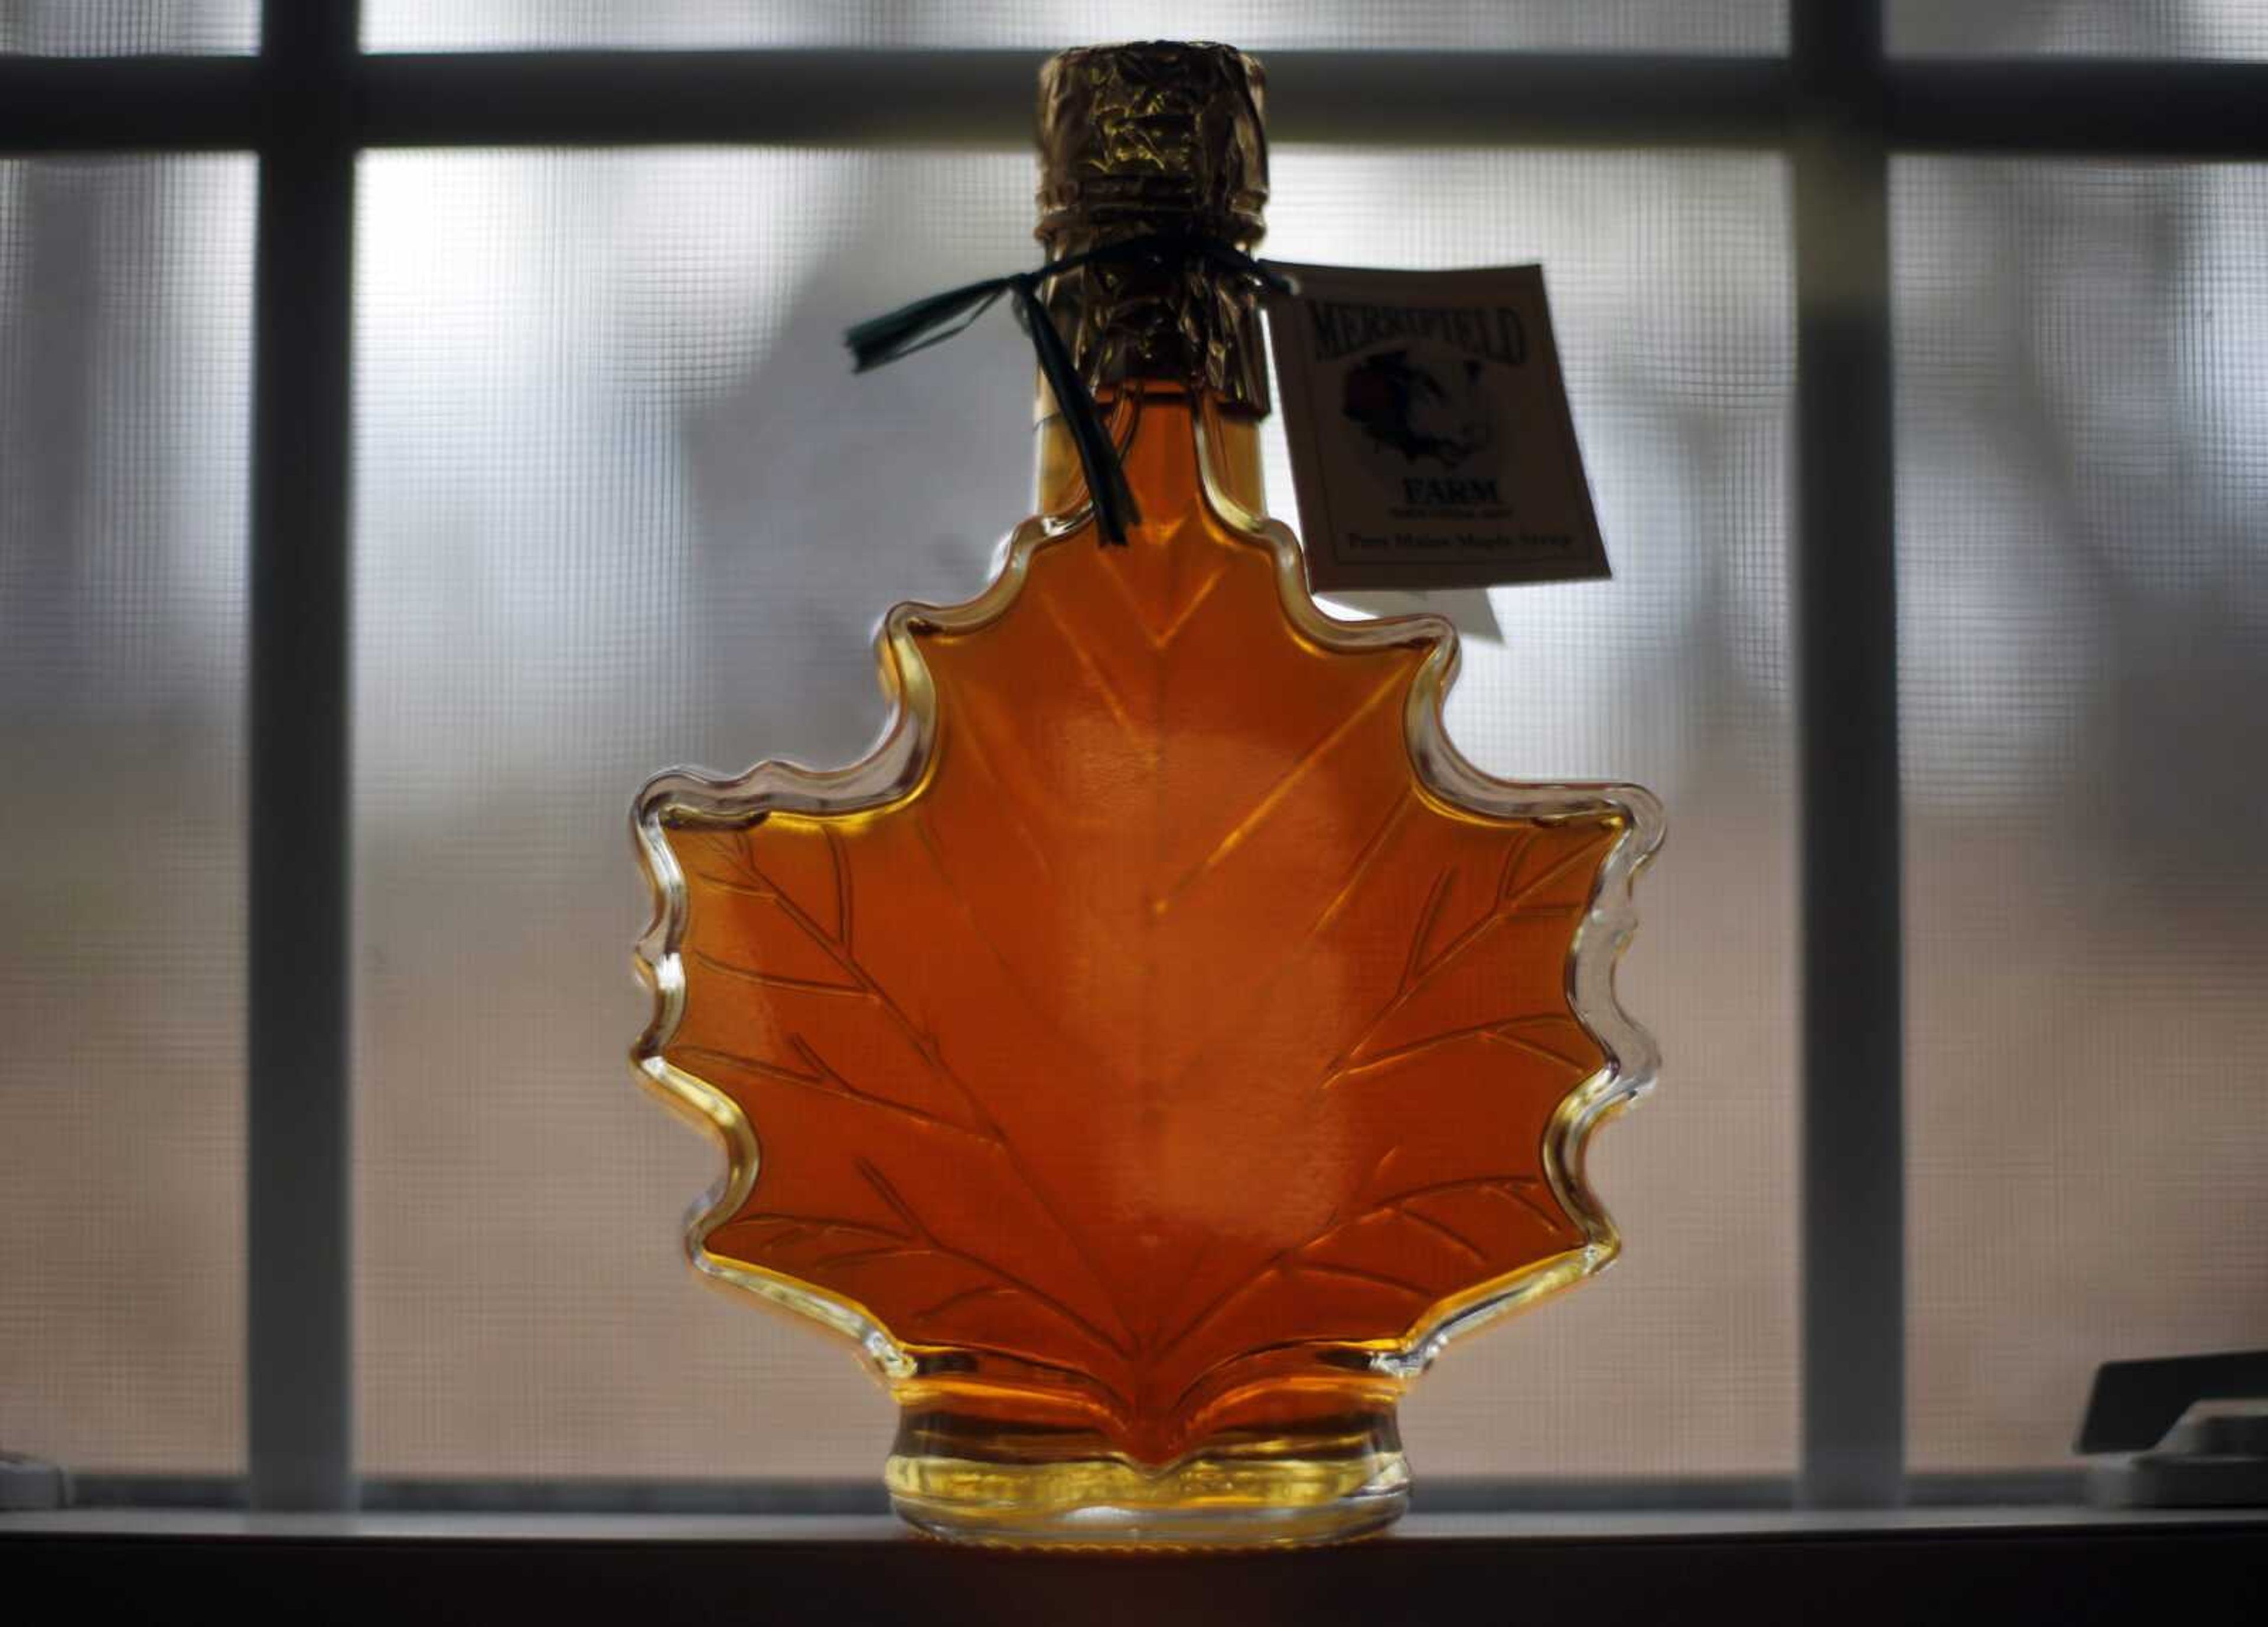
x: 2009, y: 1564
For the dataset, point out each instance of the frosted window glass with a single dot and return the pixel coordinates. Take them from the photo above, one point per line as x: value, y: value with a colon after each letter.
x: 621, y: 504
x: 2078, y: 27
x: 2082, y: 496
x: 128, y: 27
x: 125, y: 340
x: 1670, y: 287
x: 1718, y: 26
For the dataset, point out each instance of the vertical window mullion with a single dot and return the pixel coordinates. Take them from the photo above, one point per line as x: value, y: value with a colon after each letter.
x: 1844, y: 606
x: 298, y: 1293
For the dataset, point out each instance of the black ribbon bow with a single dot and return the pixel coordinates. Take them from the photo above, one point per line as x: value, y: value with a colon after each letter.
x: 926, y: 322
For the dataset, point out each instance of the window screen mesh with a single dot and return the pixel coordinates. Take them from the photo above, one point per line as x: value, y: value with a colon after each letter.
x: 2083, y: 609
x: 125, y: 336
x: 128, y: 27
x: 620, y: 504
x: 1718, y: 26
x: 2078, y: 27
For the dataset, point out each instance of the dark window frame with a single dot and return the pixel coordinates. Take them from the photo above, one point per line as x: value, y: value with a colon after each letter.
x: 1834, y: 105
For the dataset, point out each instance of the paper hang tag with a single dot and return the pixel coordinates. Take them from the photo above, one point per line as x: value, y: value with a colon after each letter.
x: 1432, y: 445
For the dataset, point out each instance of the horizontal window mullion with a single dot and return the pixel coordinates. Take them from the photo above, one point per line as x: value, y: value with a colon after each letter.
x: 173, y: 104
x: 982, y: 98
x: 2078, y: 107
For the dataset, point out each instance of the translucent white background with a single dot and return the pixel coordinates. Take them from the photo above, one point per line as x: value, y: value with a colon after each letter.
x: 619, y: 504
x: 2228, y: 28
x: 2082, y: 496
x: 125, y: 362
x: 684, y: 25
x: 128, y: 27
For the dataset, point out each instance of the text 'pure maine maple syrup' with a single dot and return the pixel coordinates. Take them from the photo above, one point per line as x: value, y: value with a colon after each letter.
x: 1164, y: 1041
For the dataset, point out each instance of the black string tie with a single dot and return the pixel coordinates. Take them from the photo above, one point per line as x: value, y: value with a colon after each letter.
x: 926, y: 322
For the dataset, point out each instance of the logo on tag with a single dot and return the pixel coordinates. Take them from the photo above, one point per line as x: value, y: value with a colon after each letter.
x: 1432, y: 444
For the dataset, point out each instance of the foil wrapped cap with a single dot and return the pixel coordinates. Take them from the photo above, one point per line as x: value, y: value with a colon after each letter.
x: 1150, y: 136
x: 1155, y: 137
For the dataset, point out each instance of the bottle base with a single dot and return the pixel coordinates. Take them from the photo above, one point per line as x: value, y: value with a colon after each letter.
x: 1201, y: 1501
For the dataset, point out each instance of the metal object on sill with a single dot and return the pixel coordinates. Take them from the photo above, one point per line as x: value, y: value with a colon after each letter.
x: 26, y: 1483
x: 2196, y: 1428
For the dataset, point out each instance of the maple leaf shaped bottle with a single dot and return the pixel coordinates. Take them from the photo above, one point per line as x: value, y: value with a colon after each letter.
x: 1164, y: 1041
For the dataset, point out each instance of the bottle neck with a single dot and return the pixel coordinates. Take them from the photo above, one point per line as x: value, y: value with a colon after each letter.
x: 1171, y: 438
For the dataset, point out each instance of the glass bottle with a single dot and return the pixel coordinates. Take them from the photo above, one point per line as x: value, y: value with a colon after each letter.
x: 1164, y: 1042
